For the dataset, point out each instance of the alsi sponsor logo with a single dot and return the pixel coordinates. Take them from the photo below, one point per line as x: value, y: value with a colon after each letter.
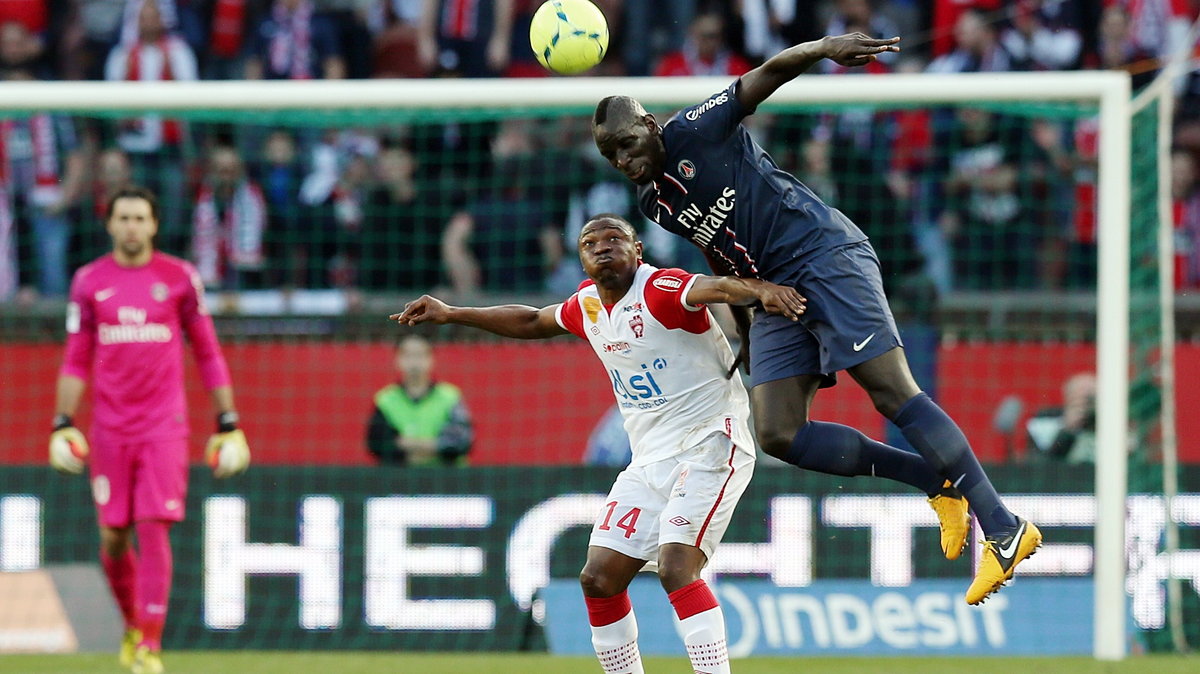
x: 694, y: 113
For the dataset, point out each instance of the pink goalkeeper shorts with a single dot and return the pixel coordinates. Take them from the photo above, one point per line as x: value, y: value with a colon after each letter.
x: 139, y: 481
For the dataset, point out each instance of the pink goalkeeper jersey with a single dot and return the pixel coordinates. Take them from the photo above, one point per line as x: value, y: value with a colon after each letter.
x: 125, y: 325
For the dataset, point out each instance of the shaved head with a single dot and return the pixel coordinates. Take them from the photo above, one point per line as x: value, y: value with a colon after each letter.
x: 620, y: 109
x: 604, y: 220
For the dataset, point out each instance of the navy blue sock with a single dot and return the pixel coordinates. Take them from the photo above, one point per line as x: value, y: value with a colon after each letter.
x: 841, y: 450
x: 942, y: 443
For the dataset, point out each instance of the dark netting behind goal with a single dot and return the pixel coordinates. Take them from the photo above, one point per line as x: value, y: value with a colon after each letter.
x: 310, y: 227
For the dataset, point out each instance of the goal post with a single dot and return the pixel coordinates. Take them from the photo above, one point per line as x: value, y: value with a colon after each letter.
x: 1108, y: 92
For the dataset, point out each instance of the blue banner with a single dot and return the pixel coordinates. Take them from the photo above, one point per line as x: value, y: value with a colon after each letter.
x: 1033, y: 616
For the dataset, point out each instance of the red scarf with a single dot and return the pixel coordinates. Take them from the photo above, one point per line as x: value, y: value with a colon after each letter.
x: 291, y: 47
x: 172, y: 131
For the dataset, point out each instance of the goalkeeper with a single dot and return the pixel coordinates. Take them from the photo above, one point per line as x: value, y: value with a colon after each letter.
x: 128, y: 314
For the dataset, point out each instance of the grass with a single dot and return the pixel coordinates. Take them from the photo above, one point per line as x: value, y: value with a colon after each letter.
x: 354, y: 662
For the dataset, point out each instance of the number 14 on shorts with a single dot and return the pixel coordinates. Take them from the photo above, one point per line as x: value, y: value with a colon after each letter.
x: 627, y: 523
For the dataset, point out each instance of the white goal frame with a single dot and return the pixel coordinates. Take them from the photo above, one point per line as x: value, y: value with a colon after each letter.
x: 1109, y: 90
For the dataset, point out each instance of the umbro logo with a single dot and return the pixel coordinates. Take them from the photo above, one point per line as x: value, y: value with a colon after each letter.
x: 859, y: 346
x: 679, y: 521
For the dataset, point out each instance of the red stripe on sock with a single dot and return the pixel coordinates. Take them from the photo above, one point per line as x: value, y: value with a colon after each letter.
x: 607, y: 610
x: 692, y: 599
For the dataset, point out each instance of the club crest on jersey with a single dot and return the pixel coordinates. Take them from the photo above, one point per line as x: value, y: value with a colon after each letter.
x: 159, y: 292
x: 638, y: 326
x: 591, y: 306
x: 687, y: 170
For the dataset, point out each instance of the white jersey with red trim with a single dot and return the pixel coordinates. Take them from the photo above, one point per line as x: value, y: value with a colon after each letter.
x: 667, y: 362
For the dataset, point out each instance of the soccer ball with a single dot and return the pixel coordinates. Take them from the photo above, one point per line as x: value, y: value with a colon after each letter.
x: 568, y: 36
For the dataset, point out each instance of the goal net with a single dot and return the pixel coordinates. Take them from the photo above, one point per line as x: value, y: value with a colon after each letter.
x: 1006, y: 211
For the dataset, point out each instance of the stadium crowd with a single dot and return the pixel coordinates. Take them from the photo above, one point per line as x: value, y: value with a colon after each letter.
x: 986, y: 199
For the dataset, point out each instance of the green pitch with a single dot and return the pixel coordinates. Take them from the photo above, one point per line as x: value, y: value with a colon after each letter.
x: 351, y: 662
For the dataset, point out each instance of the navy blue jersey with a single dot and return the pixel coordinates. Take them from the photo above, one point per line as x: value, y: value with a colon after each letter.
x: 723, y: 192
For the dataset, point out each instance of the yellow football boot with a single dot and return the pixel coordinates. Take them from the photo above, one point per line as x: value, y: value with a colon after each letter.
x: 1000, y: 559
x: 129, y: 644
x: 954, y: 518
x: 146, y: 661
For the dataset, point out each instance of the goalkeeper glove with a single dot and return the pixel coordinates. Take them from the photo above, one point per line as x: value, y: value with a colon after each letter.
x: 227, y: 452
x: 68, y: 447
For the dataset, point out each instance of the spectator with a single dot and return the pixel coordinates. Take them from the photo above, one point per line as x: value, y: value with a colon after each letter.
x: 465, y: 38
x: 92, y: 31
x: 294, y: 42
x: 946, y: 15
x: 41, y: 176
x: 1067, y: 433
x: 859, y: 16
x: 280, y: 175
x: 773, y: 25
x: 419, y: 421
x: 652, y: 28
x: 976, y: 48
x: 395, y: 28
x: 228, y: 224
x: 151, y: 51
x: 20, y: 51
x: 984, y: 212
x: 505, y: 240
x: 1044, y: 35
x: 1159, y: 27
x: 402, y: 235
x: 1116, y: 48
x: 704, y: 52
x: 1185, y: 203
x: 111, y: 173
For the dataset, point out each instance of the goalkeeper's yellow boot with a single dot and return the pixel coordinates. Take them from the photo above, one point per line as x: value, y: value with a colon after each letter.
x: 1000, y: 559
x: 129, y: 644
x: 146, y: 661
x: 954, y: 518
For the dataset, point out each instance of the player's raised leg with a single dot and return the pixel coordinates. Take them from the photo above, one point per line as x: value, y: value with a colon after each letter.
x: 785, y: 432
x: 605, y: 577
x: 887, y: 379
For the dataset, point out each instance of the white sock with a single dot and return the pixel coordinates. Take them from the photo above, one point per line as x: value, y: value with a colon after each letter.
x: 704, y: 636
x: 616, y: 646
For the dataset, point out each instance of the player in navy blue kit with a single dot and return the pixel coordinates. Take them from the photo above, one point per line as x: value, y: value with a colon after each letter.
x: 704, y: 178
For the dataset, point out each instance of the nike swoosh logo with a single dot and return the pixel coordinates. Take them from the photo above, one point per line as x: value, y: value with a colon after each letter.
x: 102, y: 295
x: 858, y: 346
x: 1009, y: 550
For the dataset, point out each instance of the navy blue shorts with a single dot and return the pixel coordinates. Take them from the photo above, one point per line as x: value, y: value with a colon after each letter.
x: 847, y: 320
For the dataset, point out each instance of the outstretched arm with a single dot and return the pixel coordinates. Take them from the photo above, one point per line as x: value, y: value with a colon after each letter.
x: 854, y: 49
x: 776, y: 299
x: 510, y: 320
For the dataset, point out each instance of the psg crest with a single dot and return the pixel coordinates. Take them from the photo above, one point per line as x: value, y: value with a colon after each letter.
x: 159, y: 292
x: 687, y: 170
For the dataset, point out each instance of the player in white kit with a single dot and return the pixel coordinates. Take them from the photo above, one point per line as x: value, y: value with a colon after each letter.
x: 693, y: 453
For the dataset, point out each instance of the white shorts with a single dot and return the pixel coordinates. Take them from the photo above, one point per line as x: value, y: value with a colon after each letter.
x: 688, y: 498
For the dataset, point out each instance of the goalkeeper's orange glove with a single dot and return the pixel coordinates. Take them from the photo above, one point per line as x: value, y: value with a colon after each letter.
x: 227, y: 452
x: 68, y: 447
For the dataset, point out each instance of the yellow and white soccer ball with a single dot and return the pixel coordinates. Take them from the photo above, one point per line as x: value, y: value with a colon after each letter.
x: 568, y: 36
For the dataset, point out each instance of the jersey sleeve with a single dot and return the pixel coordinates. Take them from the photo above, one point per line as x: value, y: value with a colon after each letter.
x: 666, y: 292
x: 570, y: 316
x: 81, y: 329
x: 715, y: 118
x: 198, y: 324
